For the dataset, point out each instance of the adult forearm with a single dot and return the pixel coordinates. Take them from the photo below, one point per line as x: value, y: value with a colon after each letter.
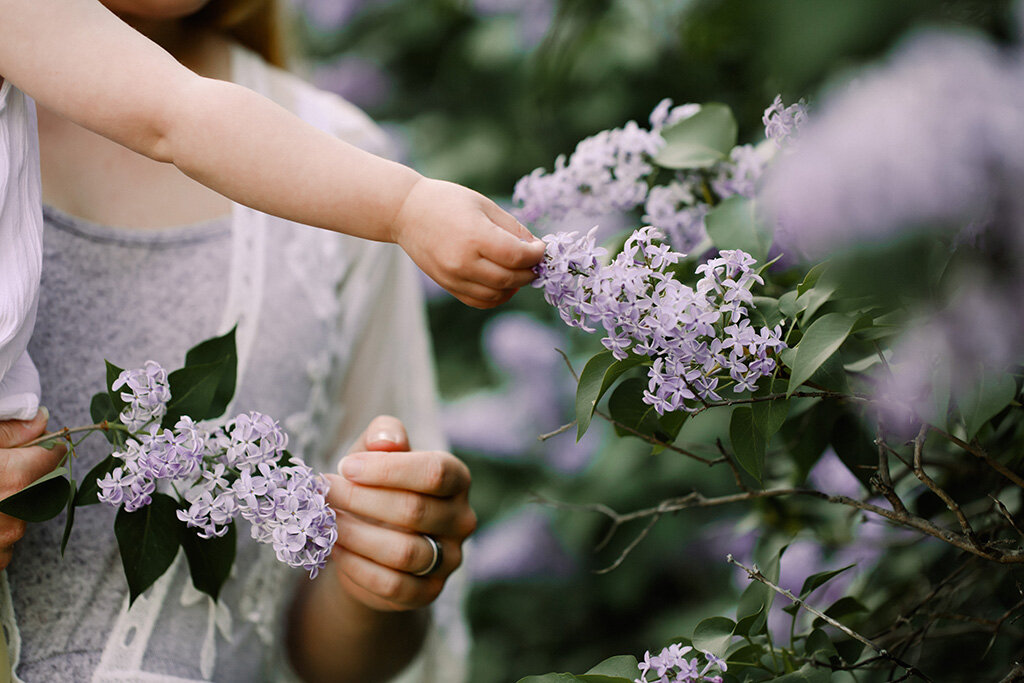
x: 224, y: 135
x: 333, y: 638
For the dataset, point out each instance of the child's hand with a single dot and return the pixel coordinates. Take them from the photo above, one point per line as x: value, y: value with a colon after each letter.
x: 466, y: 243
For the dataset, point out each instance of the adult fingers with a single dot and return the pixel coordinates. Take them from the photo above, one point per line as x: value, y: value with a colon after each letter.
x: 14, y: 433
x: 19, y: 467
x: 405, y: 509
x: 383, y: 587
x: 384, y: 433
x: 435, y: 474
x: 400, y: 550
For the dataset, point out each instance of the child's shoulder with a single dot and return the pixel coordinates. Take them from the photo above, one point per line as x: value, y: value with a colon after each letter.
x: 323, y: 109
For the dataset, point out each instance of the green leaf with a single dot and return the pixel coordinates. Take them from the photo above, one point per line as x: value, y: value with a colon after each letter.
x: 209, y: 559
x: 714, y: 635
x: 814, y: 581
x: 41, y: 500
x: 819, y: 642
x: 69, y: 519
x: 814, y: 298
x: 808, y: 673
x: 699, y: 141
x: 767, y: 312
x: 733, y: 224
x: 148, y: 540
x: 193, y: 392
x: 855, y: 448
x: 788, y: 305
x: 752, y: 609
x: 598, y: 375
x: 115, y: 396
x: 821, y: 339
x: 811, y: 278
x: 218, y: 350
x: 985, y: 399
x: 624, y: 666
x: 101, y: 408
x: 631, y: 413
x: 769, y: 416
x: 748, y: 443
x: 87, y: 494
x: 840, y: 609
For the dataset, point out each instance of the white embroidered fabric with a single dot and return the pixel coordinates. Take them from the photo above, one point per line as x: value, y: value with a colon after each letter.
x: 370, y: 355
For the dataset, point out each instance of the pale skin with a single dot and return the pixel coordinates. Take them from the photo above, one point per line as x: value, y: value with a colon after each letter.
x: 120, y: 119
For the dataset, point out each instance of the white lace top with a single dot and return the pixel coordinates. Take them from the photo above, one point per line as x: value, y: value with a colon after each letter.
x: 331, y: 332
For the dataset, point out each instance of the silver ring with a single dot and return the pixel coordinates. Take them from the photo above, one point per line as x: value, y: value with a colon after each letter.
x: 435, y: 562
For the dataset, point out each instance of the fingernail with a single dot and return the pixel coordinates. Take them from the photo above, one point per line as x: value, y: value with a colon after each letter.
x: 351, y: 466
x: 384, y: 435
x: 44, y: 413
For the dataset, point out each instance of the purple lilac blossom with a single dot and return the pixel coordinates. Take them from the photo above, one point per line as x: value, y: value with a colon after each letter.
x: 672, y: 665
x: 607, y: 172
x: 146, y: 396
x: 230, y: 472
x: 782, y: 123
x: 696, y: 337
x: 932, y: 138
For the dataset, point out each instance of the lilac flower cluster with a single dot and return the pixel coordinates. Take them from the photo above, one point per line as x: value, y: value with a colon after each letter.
x: 672, y: 666
x: 146, y: 397
x: 782, y: 123
x: 225, y: 473
x: 611, y: 172
x: 694, y: 336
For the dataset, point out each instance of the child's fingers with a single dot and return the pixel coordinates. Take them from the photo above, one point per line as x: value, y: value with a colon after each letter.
x: 492, y: 275
x: 509, y: 251
x: 507, y: 222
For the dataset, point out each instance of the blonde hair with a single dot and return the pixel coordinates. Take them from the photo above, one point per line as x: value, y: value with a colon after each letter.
x: 257, y: 24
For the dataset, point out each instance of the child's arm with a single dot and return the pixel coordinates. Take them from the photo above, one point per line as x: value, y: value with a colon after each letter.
x: 81, y: 61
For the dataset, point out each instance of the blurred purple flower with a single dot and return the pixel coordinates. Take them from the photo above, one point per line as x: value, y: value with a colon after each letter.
x: 830, y: 475
x: 519, y: 546
x: 932, y: 137
x: 358, y: 80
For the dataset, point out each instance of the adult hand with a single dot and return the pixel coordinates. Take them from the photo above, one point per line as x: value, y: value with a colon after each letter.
x: 19, y: 467
x: 387, y: 498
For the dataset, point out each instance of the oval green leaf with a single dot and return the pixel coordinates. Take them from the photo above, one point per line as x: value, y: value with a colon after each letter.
x: 748, y: 442
x: 733, y: 224
x: 148, y: 540
x: 822, y: 338
x: 714, y: 635
x: 41, y: 500
x: 699, y: 141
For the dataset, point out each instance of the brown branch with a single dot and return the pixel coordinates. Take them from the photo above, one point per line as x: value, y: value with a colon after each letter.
x: 979, y: 452
x: 953, y: 506
x: 697, y: 500
x: 1016, y: 674
x: 732, y: 466
x: 66, y: 432
x: 824, y: 393
x: 656, y: 442
x: 755, y: 574
x: 1006, y: 514
x: 561, y: 430
x: 884, y: 479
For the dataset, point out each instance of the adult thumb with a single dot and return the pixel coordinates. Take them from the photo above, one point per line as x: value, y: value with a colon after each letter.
x: 14, y: 433
x: 384, y: 433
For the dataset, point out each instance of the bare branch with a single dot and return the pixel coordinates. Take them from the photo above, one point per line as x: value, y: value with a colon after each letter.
x: 953, y: 506
x: 979, y: 452
x: 657, y: 442
x: 732, y: 465
x: 755, y: 574
x: 561, y: 430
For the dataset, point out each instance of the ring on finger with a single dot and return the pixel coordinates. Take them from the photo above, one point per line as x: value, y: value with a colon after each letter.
x: 435, y: 561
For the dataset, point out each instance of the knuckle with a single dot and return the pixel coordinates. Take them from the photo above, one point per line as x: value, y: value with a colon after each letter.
x: 468, y: 523
x: 11, y: 531
x: 415, y: 510
x: 406, y: 554
x: 389, y: 586
x: 438, y: 476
